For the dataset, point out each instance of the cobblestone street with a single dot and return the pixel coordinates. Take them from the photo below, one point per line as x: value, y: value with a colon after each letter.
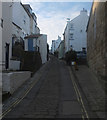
x: 54, y: 98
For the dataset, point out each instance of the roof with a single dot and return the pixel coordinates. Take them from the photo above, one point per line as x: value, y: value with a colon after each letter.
x: 25, y: 9
x: 33, y: 36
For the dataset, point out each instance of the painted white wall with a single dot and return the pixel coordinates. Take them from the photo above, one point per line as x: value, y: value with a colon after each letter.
x: 7, y: 29
x: 77, y: 27
x: 17, y: 32
x: 20, y: 17
x: 61, y: 50
x: 11, y: 83
x: 0, y: 37
x: 37, y: 30
x: 66, y: 35
x: 14, y: 65
x: 0, y: 60
x: 43, y: 47
x: 55, y: 44
x: 26, y: 44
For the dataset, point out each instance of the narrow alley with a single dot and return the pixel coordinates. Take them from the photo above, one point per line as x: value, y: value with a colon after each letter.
x: 53, y: 96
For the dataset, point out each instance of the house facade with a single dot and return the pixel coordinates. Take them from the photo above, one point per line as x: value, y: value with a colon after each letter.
x: 17, y: 22
x: 75, y: 32
x: 24, y: 21
x: 37, y: 42
x: 55, y: 44
x: 97, y: 40
x: 6, y: 31
x: 1, y: 22
x: 60, y: 50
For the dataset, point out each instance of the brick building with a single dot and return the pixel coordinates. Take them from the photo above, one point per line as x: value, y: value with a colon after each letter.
x: 97, y: 40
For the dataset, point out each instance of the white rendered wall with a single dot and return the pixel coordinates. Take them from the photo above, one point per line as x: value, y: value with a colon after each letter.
x: 7, y: 29
x: 12, y: 81
x: 79, y: 24
x: 55, y: 44
x: 19, y: 15
x: 43, y: 48
x: 0, y: 60
x: 66, y: 34
x: 17, y: 32
x: 14, y: 65
x: 34, y: 27
x: 0, y: 37
x: 37, y: 30
x: 26, y: 44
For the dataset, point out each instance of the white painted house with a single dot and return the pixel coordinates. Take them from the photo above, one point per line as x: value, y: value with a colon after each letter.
x: 1, y: 22
x: 37, y: 42
x: 24, y: 23
x: 60, y: 50
x: 75, y: 32
x: 55, y: 44
x: 6, y: 31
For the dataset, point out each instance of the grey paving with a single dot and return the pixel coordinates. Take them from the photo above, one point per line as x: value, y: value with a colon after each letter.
x: 92, y: 90
x: 53, y: 96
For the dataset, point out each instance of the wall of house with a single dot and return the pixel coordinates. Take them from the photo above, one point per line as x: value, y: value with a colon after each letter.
x: 55, y: 44
x: 34, y: 27
x: 75, y: 32
x: 37, y: 30
x: 0, y: 36
x: 79, y: 31
x: 0, y: 60
x: 43, y: 47
x: 20, y: 17
x: 96, y: 40
x: 6, y: 30
x: 61, y: 50
x: 17, y: 32
x: 66, y: 37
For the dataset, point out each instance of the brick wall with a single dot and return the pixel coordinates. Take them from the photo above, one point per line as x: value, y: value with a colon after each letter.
x: 96, y: 40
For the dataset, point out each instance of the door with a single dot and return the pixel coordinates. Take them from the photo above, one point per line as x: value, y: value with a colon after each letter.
x: 7, y: 56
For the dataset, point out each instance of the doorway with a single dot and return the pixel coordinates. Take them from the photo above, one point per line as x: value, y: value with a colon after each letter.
x: 7, y: 56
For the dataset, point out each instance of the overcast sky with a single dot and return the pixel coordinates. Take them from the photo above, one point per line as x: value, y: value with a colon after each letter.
x: 52, y: 16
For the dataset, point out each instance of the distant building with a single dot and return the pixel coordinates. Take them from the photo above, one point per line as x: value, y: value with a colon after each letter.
x: 97, y: 40
x: 37, y: 42
x: 60, y: 50
x: 55, y: 44
x: 75, y: 32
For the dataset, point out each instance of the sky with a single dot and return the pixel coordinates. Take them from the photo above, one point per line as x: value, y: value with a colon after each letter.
x: 52, y: 16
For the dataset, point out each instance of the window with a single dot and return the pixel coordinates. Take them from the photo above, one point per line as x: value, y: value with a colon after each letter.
x: 24, y: 21
x: 1, y: 23
x: 81, y: 30
x: 71, y: 36
x: 71, y: 25
x: 84, y: 49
